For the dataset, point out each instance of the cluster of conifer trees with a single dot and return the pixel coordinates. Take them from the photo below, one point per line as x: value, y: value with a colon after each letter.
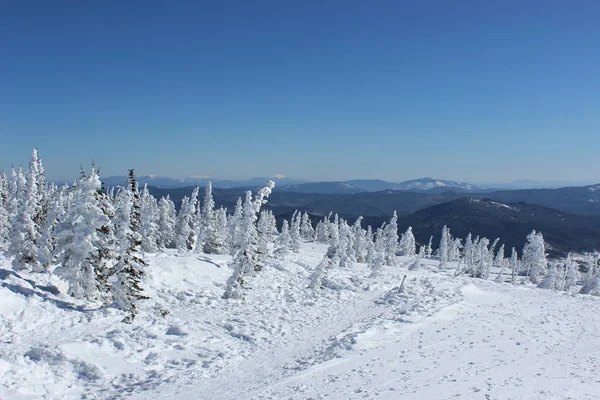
x: 95, y: 239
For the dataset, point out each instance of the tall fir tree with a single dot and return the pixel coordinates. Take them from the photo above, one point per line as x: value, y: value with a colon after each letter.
x: 130, y: 269
x: 245, y: 261
x: 149, y: 218
x: 408, y: 244
x: 167, y: 220
x: 84, y: 243
x: 444, y: 246
x: 534, y: 257
x: 391, y: 240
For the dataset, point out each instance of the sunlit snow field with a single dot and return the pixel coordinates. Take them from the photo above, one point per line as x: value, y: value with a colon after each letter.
x: 441, y: 337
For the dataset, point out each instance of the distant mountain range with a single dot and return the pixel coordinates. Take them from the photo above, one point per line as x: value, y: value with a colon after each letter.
x: 301, y: 186
x: 568, y: 217
x: 376, y: 185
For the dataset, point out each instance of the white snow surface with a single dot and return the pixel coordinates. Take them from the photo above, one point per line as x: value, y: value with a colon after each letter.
x: 442, y: 337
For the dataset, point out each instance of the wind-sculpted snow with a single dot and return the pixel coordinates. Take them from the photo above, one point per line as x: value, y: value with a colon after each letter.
x: 354, y: 337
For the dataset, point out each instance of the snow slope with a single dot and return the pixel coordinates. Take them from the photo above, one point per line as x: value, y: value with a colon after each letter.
x: 442, y: 337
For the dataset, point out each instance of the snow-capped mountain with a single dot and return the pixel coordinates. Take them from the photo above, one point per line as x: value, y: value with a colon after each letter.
x: 377, y: 185
x: 430, y: 183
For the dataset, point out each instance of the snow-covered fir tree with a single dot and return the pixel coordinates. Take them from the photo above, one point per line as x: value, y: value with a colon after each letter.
x: 444, y: 246
x: 85, y: 242
x: 379, y: 254
x: 186, y: 233
x: 263, y: 234
x: 318, y: 275
x: 370, y: 246
x: 484, y: 259
x: 4, y: 213
x: 149, y: 219
x: 306, y: 230
x: 360, y: 241
x: 130, y: 268
x: 56, y: 212
x: 429, y: 249
x: 333, y: 232
x: 408, y: 245
x: 416, y: 264
x: 167, y: 221
x: 27, y: 225
x: 216, y: 241
x: 591, y: 281
x: 570, y: 273
x: 514, y: 266
x: 454, y: 249
x: 553, y: 278
x: 499, y: 260
x: 534, y: 257
x: 208, y: 225
x: 283, y: 242
x: 344, y: 250
x: 295, y: 231
x: 391, y: 241
x: 321, y: 231
x: 245, y: 263
x: 234, y: 224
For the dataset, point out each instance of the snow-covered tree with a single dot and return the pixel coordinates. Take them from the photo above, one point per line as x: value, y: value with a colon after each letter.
x: 306, y: 230
x: 344, y: 250
x: 454, y: 248
x: 391, y: 241
x: 553, y: 278
x: 149, y: 219
x: 408, y: 244
x: 234, y: 223
x: 416, y: 264
x: 263, y: 229
x: 295, y: 231
x: 333, y: 232
x: 56, y: 212
x: 186, y: 233
x: 130, y: 268
x: 443, y: 249
x: 429, y: 249
x: 245, y: 262
x: 379, y: 254
x: 283, y: 242
x: 206, y: 230
x: 514, y: 266
x: 499, y: 259
x: 84, y: 240
x: 484, y: 259
x: 570, y: 275
x: 500, y: 262
x: 591, y: 282
x: 4, y: 213
x: 321, y: 231
x: 167, y: 221
x: 26, y: 227
x: 316, y: 279
x: 217, y: 242
x: 360, y: 241
x: 370, y: 246
x: 534, y: 257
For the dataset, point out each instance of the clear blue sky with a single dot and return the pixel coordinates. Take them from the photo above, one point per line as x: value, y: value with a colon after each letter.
x: 466, y: 90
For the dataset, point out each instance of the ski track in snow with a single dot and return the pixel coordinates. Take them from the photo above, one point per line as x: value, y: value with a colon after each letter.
x: 360, y: 338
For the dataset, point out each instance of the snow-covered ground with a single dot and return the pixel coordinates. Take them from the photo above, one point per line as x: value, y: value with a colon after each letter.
x: 442, y: 337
